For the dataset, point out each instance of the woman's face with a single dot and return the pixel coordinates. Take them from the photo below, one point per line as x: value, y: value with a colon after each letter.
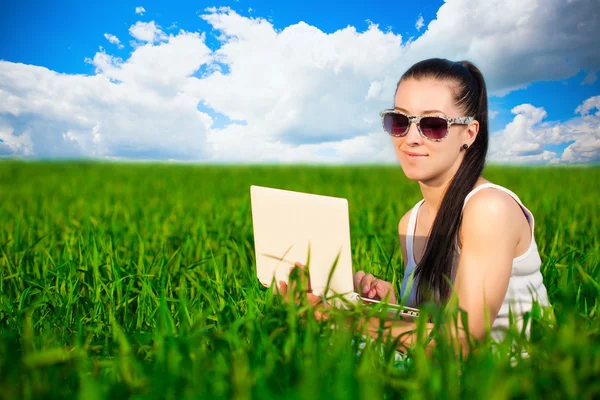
x: 436, y: 159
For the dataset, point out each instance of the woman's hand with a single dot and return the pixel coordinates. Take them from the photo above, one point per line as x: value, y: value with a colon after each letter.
x: 313, y: 299
x: 368, y: 286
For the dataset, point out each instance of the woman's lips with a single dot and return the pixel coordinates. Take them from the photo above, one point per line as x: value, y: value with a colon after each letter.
x: 414, y: 155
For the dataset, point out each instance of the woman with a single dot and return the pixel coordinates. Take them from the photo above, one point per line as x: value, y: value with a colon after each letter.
x: 466, y: 230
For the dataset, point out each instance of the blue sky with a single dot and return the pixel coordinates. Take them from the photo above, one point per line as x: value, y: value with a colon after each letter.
x: 60, y: 34
x: 538, y: 72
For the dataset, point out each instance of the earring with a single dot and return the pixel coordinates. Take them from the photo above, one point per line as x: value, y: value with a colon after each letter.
x: 465, y: 146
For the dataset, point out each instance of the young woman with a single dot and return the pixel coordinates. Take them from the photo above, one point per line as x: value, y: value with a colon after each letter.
x: 466, y: 230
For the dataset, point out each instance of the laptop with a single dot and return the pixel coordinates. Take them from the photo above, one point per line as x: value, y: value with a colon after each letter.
x: 287, y: 224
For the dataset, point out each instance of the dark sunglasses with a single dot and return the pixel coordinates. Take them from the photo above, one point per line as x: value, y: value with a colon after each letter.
x: 432, y: 127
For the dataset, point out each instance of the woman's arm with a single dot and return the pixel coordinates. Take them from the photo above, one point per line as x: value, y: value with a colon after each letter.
x: 490, y: 236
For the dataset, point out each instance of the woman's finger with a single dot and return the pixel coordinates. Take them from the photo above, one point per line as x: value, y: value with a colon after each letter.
x: 313, y: 299
x: 380, y: 289
x: 321, y: 316
x: 316, y: 301
x: 372, y: 292
x: 366, y: 282
x: 283, y: 288
x: 304, y: 274
x: 384, y: 289
x: 357, y: 279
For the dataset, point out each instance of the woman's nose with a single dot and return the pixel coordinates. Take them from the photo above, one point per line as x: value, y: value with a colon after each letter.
x: 413, y: 135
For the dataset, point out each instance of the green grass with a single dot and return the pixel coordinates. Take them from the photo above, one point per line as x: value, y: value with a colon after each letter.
x: 138, y: 281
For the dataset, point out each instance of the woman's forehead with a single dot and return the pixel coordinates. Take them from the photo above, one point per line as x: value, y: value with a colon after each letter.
x: 417, y: 96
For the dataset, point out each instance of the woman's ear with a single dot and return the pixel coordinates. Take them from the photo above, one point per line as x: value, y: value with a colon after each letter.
x: 471, y: 133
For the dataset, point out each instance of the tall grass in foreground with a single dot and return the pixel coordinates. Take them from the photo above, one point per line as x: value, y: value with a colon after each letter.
x: 138, y: 281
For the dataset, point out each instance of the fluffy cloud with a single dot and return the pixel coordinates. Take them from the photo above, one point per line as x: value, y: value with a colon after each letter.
x: 164, y: 68
x: 515, y: 42
x: 420, y: 23
x: 147, y: 32
x: 372, y: 148
x: 140, y: 10
x: 525, y: 139
x: 296, y: 94
x: 114, y: 40
x: 589, y: 105
x: 12, y: 144
x: 299, y: 85
x: 585, y: 131
x: 130, y: 109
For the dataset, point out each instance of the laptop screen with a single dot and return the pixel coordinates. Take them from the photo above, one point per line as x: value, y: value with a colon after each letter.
x: 286, y: 223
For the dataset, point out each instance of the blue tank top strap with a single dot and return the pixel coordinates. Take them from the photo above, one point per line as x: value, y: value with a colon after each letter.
x: 410, y: 232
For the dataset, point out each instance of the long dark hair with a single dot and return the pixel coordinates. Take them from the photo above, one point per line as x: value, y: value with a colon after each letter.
x: 434, y: 271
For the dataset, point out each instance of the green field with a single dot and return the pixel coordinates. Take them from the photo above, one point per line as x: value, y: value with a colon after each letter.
x: 138, y: 281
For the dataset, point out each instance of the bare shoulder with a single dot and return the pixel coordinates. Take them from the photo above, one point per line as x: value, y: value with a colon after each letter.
x: 491, y: 209
x: 403, y: 224
x: 490, y: 202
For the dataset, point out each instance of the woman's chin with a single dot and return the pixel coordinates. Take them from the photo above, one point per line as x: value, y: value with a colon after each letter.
x: 413, y: 173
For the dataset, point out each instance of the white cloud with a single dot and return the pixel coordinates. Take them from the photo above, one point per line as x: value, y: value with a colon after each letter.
x: 589, y: 105
x: 229, y: 144
x: 165, y: 68
x: 374, y: 91
x: 11, y: 143
x: 295, y: 94
x: 140, y: 10
x: 582, y: 152
x: 136, y: 108
x: 514, y: 42
x: 113, y: 39
x: 585, y: 131
x: 420, y: 22
x: 147, y: 32
x: 299, y: 85
x: 525, y: 139
x: 492, y: 114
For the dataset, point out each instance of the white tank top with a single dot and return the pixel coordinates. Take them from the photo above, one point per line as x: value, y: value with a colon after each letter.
x: 524, y: 285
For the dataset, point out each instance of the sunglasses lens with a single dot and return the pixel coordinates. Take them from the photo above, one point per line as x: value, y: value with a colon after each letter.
x: 395, y: 124
x: 434, y: 127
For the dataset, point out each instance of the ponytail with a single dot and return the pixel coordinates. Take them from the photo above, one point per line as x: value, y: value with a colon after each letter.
x: 435, y: 269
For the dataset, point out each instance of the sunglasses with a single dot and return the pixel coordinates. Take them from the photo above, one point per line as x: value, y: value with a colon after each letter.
x: 431, y: 127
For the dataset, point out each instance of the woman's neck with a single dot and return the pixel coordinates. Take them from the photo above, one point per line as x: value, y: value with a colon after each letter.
x: 433, y: 193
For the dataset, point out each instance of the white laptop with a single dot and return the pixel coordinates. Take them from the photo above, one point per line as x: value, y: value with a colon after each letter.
x: 286, y: 223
